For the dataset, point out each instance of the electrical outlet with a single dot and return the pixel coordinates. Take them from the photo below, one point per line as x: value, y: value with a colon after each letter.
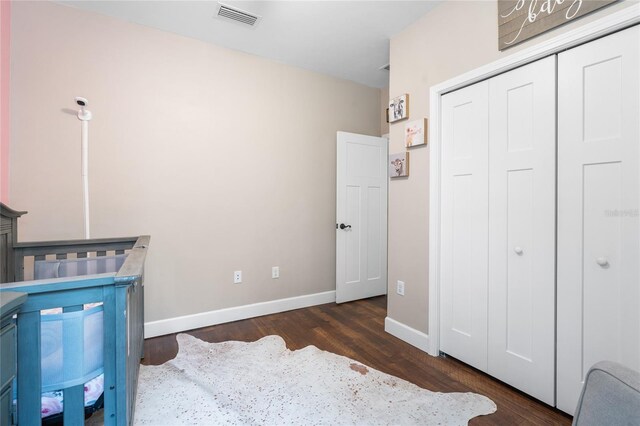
x: 237, y: 277
x: 400, y: 288
x: 275, y: 272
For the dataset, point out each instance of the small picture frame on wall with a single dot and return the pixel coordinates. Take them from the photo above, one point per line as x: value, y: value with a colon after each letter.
x: 399, y: 165
x: 399, y: 108
x: 415, y: 133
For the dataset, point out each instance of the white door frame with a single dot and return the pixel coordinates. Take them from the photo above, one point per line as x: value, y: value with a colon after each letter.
x: 616, y: 21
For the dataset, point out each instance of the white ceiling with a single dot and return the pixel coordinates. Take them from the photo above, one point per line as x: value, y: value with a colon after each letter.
x: 345, y: 39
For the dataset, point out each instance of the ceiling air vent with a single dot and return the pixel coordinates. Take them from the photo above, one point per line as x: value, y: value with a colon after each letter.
x: 234, y: 14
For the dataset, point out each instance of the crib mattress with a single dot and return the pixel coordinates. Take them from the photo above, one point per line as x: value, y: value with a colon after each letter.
x: 53, y: 402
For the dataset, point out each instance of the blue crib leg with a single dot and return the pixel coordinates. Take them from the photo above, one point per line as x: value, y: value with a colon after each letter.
x: 109, y: 318
x: 29, y: 374
x: 122, y: 354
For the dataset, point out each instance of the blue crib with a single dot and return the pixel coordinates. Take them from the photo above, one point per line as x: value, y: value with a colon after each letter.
x: 70, y: 275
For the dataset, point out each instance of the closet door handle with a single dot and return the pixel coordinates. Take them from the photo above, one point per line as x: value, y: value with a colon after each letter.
x: 518, y: 250
x: 602, y: 262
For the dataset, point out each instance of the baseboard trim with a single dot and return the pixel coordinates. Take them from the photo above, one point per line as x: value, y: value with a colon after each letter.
x: 221, y: 316
x: 404, y: 332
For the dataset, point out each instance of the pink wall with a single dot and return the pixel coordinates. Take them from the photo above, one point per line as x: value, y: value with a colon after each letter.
x: 5, y: 43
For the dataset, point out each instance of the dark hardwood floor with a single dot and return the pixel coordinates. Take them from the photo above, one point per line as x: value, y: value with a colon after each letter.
x: 356, y: 330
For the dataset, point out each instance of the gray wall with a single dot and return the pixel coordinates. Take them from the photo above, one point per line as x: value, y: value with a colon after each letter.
x: 225, y: 159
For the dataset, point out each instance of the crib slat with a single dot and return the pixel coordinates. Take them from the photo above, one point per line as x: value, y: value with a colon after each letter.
x: 74, y: 405
x: 82, y: 267
x: 19, y: 266
x: 74, y: 396
x: 101, y: 267
x: 29, y: 374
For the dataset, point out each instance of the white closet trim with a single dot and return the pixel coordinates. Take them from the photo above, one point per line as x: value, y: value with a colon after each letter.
x: 601, y: 27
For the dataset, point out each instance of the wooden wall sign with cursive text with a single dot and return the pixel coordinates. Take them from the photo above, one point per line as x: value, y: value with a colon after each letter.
x: 519, y: 20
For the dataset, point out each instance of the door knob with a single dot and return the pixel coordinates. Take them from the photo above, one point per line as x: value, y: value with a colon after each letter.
x: 518, y: 250
x: 602, y: 262
x: 343, y: 226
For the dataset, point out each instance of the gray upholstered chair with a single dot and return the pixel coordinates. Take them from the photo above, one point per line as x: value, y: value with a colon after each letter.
x: 610, y: 397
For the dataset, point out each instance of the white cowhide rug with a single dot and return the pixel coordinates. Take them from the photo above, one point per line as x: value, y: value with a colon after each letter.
x: 264, y: 383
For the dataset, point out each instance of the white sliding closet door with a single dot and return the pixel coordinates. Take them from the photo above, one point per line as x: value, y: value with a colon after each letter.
x: 522, y: 211
x: 598, y: 221
x: 465, y: 224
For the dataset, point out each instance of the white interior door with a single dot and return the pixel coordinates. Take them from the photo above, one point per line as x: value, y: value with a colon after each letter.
x: 463, y: 321
x: 522, y: 212
x: 598, y: 219
x: 361, y: 216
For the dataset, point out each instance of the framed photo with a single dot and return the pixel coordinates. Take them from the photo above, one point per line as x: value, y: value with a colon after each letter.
x: 399, y: 165
x: 399, y: 108
x: 415, y: 133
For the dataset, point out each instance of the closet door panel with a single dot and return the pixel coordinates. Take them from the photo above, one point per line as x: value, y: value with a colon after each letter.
x: 464, y: 225
x: 522, y: 159
x: 598, y: 219
x: 601, y: 236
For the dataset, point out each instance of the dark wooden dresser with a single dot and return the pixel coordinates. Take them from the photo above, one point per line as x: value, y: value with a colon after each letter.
x: 8, y: 237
